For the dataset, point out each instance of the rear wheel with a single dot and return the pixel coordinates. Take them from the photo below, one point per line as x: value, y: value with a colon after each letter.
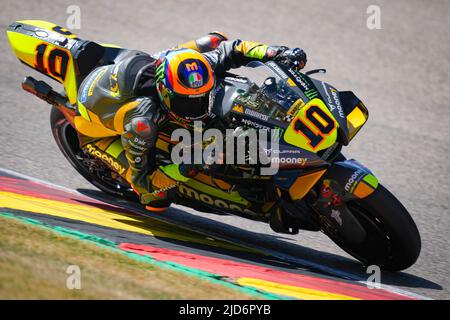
x: 92, y: 169
x: 392, y: 241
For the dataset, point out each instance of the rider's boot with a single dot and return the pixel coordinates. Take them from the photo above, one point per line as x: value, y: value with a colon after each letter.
x: 165, y: 181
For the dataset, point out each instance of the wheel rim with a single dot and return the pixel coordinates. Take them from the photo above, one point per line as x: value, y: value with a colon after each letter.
x: 69, y: 139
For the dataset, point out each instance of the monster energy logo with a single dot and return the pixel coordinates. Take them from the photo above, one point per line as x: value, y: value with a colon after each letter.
x: 159, y: 76
x: 311, y: 93
x: 305, y: 84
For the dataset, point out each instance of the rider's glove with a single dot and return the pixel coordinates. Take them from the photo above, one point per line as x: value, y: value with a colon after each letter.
x: 295, y: 58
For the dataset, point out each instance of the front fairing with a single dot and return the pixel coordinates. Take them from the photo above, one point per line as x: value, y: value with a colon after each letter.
x: 299, y: 89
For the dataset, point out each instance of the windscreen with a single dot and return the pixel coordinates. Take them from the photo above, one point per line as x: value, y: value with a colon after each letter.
x: 272, y: 93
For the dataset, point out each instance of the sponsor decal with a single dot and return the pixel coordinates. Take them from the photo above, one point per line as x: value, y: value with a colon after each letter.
x: 195, y: 80
x: 333, y: 102
x: 215, y: 41
x: 276, y: 131
x: 139, y: 141
x: 335, y: 95
x: 329, y: 101
x: 298, y: 78
x: 235, y: 79
x: 284, y: 151
x: 278, y: 70
x: 191, y: 66
x: 161, y: 193
x: 83, y: 96
x: 159, y: 73
x: 331, y: 197
x: 311, y: 94
x: 329, y: 151
x: 209, y: 200
x: 299, y: 161
x: 282, y: 156
x: 326, y: 190
x: 87, y: 86
x: 296, y: 106
x: 134, y: 145
x: 111, y: 161
x: 113, y: 83
x: 336, y: 200
x: 336, y: 215
x: 305, y: 84
x: 94, y: 82
x: 256, y: 114
x: 194, y: 74
x: 238, y: 108
x: 142, y: 127
x: 356, y: 177
x: 254, y: 124
x: 135, y: 153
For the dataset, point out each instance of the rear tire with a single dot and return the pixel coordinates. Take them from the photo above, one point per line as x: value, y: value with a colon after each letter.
x: 67, y: 140
x: 393, y: 240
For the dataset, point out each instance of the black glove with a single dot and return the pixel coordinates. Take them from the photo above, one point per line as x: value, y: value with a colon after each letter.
x: 295, y: 58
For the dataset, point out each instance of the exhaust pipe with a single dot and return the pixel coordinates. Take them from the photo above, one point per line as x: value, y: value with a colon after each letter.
x: 45, y: 92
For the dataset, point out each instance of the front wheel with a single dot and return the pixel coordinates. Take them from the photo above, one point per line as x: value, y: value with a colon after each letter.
x: 392, y: 241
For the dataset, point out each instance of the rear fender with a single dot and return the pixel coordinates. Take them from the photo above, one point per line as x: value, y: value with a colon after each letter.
x: 55, y: 52
x: 45, y: 47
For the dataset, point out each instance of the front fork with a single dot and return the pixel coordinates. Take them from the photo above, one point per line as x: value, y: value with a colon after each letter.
x: 343, y: 181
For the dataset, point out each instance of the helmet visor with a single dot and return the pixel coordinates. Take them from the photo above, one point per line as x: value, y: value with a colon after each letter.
x: 189, y: 107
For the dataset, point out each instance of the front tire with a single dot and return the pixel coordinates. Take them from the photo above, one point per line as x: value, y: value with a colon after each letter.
x: 393, y: 241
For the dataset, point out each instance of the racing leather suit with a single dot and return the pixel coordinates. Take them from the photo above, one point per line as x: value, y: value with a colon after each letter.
x: 123, y: 98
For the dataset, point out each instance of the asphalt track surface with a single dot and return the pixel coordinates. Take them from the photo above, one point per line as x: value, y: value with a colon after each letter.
x: 400, y: 72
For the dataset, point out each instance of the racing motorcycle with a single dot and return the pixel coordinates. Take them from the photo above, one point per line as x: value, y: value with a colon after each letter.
x: 316, y: 188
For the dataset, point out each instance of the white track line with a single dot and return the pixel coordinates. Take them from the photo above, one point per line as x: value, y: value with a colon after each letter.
x: 282, y: 256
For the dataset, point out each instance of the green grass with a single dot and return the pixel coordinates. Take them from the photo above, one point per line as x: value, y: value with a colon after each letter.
x: 33, y: 264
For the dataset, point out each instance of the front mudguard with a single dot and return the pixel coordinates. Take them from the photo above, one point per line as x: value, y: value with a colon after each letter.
x: 344, y: 181
x: 350, y: 179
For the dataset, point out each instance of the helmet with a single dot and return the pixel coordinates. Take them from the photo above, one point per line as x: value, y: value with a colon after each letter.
x: 185, y: 82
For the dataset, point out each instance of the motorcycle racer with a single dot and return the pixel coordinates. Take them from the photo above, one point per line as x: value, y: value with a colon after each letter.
x: 139, y: 94
x: 324, y: 191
